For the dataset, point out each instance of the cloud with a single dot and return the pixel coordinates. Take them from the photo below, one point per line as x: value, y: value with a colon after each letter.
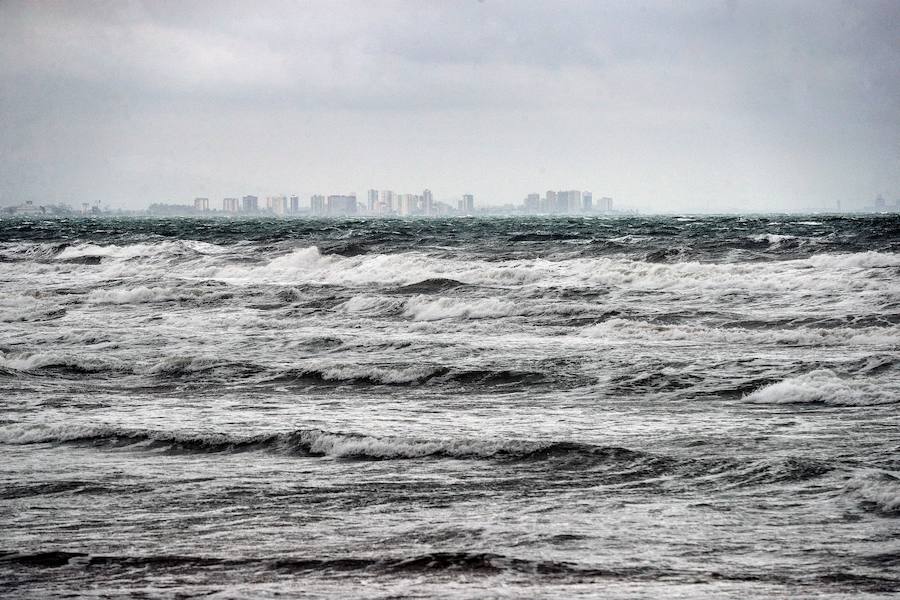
x: 702, y: 100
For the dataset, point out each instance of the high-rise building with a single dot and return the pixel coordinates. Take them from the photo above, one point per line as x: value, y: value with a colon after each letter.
x: 573, y: 201
x: 230, y: 205
x: 277, y: 204
x: 532, y: 203
x: 372, y: 201
x: 587, y: 201
x: 341, y: 205
x: 249, y: 204
x: 467, y: 203
x: 317, y: 204
x: 387, y: 201
x: 427, y: 202
x: 407, y: 204
x: 201, y: 204
x: 550, y: 201
x: 295, y: 205
x: 605, y: 204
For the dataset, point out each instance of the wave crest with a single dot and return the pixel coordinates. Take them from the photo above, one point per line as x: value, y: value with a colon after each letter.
x: 821, y: 386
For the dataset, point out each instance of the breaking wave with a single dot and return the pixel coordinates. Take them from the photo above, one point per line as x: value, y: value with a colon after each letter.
x: 56, y: 362
x: 822, y: 386
x: 630, y: 330
x: 877, y: 492
x: 407, y: 269
x: 422, y: 308
x: 139, y: 295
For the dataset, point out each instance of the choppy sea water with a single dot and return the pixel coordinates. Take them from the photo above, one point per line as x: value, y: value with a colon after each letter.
x: 464, y: 408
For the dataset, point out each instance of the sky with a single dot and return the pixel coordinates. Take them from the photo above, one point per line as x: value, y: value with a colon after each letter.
x: 664, y: 106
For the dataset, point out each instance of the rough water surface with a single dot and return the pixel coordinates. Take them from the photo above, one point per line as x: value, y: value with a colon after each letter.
x: 461, y: 408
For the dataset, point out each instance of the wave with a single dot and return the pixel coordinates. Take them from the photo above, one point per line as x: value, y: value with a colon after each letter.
x: 130, y: 251
x: 55, y: 362
x: 859, y: 260
x: 186, y: 368
x: 308, y: 265
x: 356, y: 374
x: 822, y: 386
x: 773, y: 239
x: 175, y: 367
x: 430, y: 286
x: 470, y: 563
x: 138, y: 295
x: 319, y: 443
x: 413, y: 375
x: 619, y: 330
x: 371, y: 306
x: 411, y: 272
x: 877, y: 492
x: 569, y: 460
x: 423, y: 308
x: 474, y: 563
x: 32, y: 315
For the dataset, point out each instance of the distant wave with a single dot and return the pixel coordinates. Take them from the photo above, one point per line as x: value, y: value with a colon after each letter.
x: 619, y: 330
x: 185, y: 367
x: 399, y: 375
x: 308, y: 265
x: 404, y: 271
x: 470, y: 563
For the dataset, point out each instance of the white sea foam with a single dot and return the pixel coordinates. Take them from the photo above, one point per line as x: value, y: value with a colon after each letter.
x: 138, y: 295
x: 307, y: 265
x: 774, y: 239
x: 33, y: 433
x: 32, y: 361
x: 860, y: 260
x: 828, y: 275
x: 821, y: 386
x: 110, y: 251
x: 627, y: 331
x: 173, y: 248
x: 337, y: 445
x: 880, y: 490
x: 370, y: 305
x: 375, y: 374
x: 425, y: 308
x: 178, y: 364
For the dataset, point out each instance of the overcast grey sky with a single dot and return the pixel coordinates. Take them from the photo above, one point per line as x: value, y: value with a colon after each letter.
x: 662, y: 105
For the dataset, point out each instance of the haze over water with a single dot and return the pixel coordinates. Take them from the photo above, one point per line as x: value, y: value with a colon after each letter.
x: 461, y: 408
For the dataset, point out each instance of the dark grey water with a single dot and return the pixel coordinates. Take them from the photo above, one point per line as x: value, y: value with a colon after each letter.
x: 469, y: 408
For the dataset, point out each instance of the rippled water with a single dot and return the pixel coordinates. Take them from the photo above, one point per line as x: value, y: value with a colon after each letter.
x: 642, y: 407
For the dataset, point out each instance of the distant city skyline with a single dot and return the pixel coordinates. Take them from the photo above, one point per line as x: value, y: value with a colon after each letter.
x: 388, y: 203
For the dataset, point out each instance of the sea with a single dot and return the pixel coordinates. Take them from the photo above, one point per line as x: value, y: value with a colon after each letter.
x: 489, y: 407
